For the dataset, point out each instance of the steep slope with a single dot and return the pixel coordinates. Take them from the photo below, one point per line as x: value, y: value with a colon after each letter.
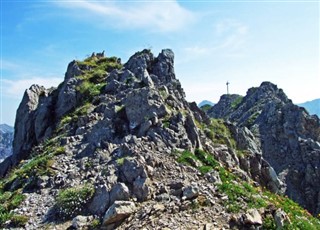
x: 118, y: 146
x: 313, y: 107
x: 6, y: 139
x: 289, y: 138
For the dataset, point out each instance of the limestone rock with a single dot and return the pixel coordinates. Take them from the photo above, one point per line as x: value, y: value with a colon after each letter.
x: 32, y: 121
x: 118, y: 212
x: 119, y: 192
x: 100, y: 201
x: 131, y: 170
x: 281, y: 218
x: 149, y: 103
x: 286, y: 137
x: 253, y: 217
x: 190, y: 192
x: 81, y: 222
x: 141, y: 189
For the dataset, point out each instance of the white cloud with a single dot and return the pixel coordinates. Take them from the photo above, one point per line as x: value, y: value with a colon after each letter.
x: 16, y: 88
x: 157, y: 16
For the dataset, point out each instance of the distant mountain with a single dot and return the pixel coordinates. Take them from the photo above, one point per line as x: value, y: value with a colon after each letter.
x: 313, y: 107
x: 6, y: 139
x: 205, y: 102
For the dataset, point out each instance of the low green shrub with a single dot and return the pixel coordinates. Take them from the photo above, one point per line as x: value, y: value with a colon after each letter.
x: 18, y: 220
x: 8, y: 202
x: 71, y: 201
x: 186, y: 157
x: 235, y: 104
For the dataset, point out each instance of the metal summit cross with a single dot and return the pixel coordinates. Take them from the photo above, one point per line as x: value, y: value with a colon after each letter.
x: 227, y: 87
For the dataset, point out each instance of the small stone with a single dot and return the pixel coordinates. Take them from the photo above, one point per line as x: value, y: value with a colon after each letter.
x: 280, y: 218
x: 158, y: 207
x: 252, y: 217
x: 191, y: 192
x: 80, y: 221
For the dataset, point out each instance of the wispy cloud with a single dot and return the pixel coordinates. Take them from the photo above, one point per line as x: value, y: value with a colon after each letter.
x: 157, y: 16
x: 16, y: 88
x: 226, y: 39
x: 7, y: 65
x: 233, y: 34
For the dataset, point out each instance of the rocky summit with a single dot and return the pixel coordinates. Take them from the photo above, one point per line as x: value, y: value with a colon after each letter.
x: 289, y: 138
x: 117, y: 146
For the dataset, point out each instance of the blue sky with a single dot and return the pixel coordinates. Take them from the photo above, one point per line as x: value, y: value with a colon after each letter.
x: 243, y: 42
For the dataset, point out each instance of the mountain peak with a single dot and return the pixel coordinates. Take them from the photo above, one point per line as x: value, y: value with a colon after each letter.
x: 118, y: 146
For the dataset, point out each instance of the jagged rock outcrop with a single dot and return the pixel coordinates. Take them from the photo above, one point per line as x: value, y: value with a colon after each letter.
x: 289, y: 137
x: 6, y: 139
x: 118, y: 146
x: 226, y: 105
x: 126, y: 119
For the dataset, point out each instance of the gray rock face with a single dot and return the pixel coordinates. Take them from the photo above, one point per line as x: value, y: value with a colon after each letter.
x: 67, y: 97
x: 164, y: 66
x: 131, y: 170
x: 289, y: 139
x: 32, y: 121
x: 150, y: 105
x: 225, y: 106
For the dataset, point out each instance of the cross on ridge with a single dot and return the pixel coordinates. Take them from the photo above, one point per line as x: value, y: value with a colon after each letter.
x: 227, y: 87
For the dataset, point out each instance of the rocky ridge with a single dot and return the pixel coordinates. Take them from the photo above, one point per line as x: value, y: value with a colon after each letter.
x: 6, y: 139
x: 118, y: 146
x: 289, y: 138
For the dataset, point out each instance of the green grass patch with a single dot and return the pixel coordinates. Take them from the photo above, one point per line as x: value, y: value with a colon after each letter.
x: 299, y: 217
x: 221, y: 133
x: 71, y: 201
x: 24, y: 177
x: 269, y: 223
x: 120, y: 161
x: 205, y: 158
x: 89, y: 89
x: 242, y: 195
x: 118, y: 108
x: 8, y: 202
x: 187, y: 157
x: 252, y: 118
x: 235, y: 104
